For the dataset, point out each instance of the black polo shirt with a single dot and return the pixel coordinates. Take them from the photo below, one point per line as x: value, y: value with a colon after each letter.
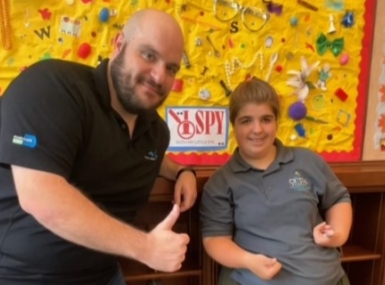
x: 56, y: 116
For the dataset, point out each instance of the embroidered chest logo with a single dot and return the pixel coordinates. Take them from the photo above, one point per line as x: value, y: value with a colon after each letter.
x: 299, y: 182
x: 151, y: 155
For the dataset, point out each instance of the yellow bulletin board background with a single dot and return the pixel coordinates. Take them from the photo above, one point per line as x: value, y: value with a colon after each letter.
x: 226, y: 42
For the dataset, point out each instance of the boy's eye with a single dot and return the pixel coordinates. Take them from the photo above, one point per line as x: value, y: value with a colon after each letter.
x: 246, y: 121
x: 267, y: 120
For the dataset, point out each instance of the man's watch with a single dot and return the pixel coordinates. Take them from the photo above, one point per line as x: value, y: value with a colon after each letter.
x: 180, y: 171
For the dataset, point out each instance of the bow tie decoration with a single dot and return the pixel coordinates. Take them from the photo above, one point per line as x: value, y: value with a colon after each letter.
x: 323, y: 44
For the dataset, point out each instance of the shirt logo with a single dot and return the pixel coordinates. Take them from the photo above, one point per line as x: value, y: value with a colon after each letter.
x: 151, y: 155
x: 299, y: 183
x: 29, y: 141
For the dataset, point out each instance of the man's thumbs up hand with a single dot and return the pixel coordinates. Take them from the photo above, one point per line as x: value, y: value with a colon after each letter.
x: 166, y: 249
x: 170, y: 220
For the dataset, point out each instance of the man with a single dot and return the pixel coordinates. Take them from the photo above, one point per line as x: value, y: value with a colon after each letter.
x: 80, y: 149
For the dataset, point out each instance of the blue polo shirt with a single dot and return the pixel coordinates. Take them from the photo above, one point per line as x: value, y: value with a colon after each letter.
x: 273, y: 212
x: 57, y: 117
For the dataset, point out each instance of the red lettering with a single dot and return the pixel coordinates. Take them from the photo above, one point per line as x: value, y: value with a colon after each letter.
x: 199, y: 120
x: 185, y: 122
x: 220, y: 115
x: 210, y: 121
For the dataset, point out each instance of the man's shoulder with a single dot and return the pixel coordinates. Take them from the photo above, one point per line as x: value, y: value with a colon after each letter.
x: 51, y: 79
x: 55, y: 74
x: 52, y: 62
x: 58, y: 66
x: 154, y: 117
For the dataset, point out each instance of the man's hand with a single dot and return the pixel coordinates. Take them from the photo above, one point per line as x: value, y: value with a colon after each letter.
x: 185, y: 192
x: 166, y: 249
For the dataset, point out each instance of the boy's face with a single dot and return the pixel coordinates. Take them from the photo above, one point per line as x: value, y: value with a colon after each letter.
x: 255, y: 129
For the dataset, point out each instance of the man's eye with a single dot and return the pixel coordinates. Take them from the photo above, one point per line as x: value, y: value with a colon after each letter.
x: 173, y: 70
x: 148, y: 55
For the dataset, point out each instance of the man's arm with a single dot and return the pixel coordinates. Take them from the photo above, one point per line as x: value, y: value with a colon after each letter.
x: 185, y: 192
x: 65, y: 211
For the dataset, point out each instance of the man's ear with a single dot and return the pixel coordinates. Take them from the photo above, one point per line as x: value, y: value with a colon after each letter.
x: 119, y: 42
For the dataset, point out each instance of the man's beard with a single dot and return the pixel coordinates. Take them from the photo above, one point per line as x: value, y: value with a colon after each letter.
x: 124, y: 87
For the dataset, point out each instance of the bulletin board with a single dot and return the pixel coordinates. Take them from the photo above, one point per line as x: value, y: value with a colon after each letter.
x: 374, y: 147
x: 315, y: 53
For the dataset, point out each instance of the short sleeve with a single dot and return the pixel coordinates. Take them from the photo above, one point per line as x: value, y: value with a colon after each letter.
x: 40, y: 122
x: 334, y: 192
x: 216, y: 208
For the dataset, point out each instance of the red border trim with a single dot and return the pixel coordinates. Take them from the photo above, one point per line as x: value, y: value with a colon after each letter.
x: 363, y: 86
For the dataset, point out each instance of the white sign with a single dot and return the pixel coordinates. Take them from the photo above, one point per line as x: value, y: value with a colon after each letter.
x: 198, y: 128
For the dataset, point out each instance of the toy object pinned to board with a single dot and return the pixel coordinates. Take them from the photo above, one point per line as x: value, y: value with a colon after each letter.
x: 324, y: 74
x: 348, y: 20
x: 299, y: 80
x: 332, y: 27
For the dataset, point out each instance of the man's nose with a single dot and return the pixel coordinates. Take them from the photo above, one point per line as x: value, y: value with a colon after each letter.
x: 159, y: 73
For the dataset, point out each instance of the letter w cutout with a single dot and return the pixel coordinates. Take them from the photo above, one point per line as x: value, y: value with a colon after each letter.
x: 43, y: 32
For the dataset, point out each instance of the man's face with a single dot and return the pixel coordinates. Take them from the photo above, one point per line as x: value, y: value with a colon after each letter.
x: 143, y: 73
